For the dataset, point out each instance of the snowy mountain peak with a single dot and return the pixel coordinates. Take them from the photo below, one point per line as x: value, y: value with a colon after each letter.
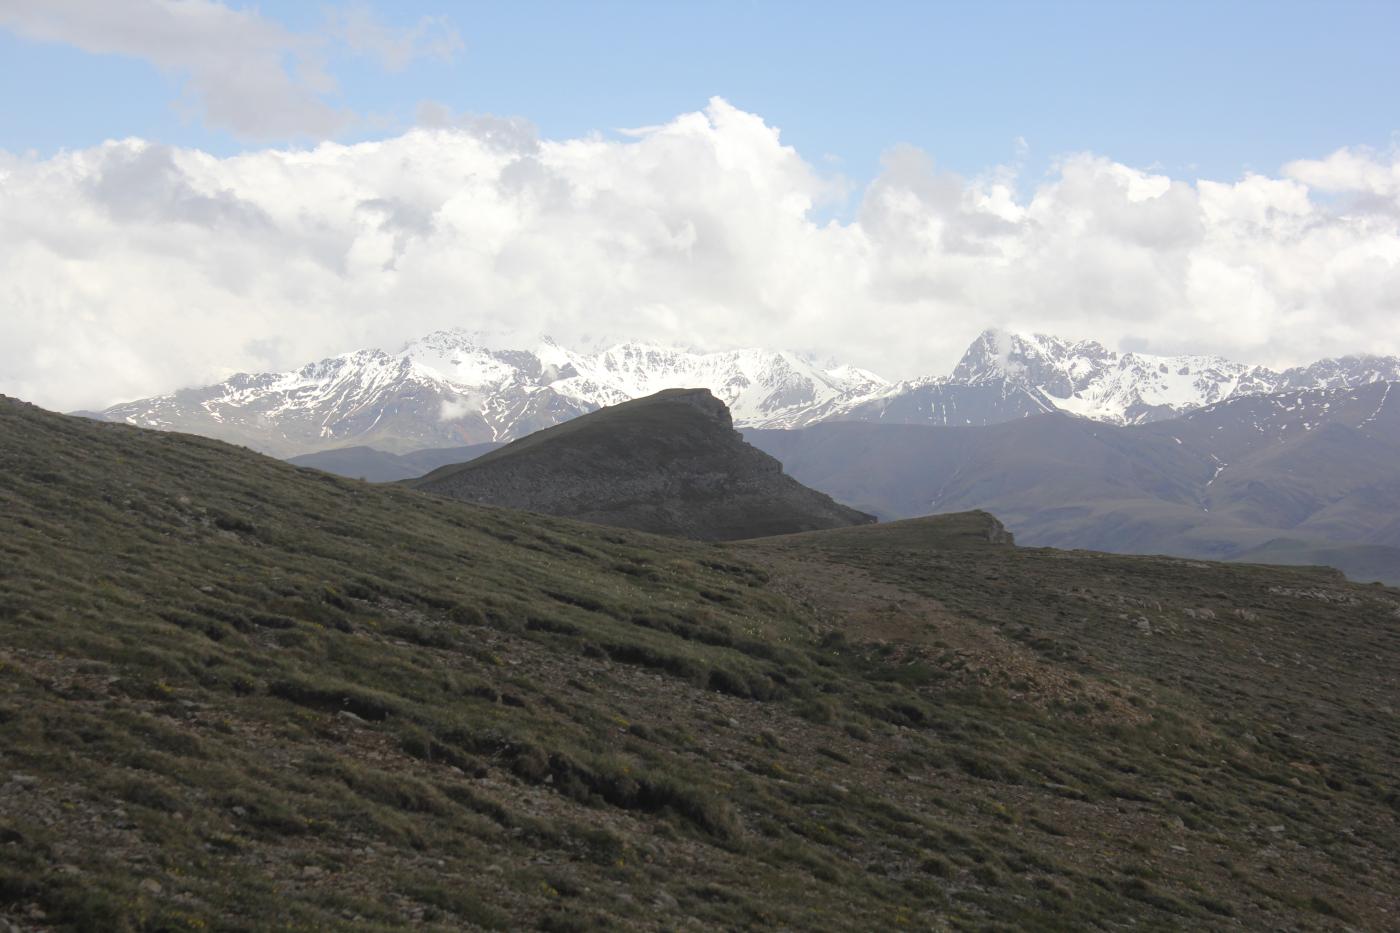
x: 1055, y: 365
x: 1086, y: 378
x: 454, y: 387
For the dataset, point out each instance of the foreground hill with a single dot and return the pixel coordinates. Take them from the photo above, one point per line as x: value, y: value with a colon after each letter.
x: 670, y: 463
x: 1306, y: 477
x: 238, y: 695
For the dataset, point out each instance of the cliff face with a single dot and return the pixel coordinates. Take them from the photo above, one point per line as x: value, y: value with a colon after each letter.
x: 670, y: 463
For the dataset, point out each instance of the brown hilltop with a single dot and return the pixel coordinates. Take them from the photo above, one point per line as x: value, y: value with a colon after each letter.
x: 670, y: 463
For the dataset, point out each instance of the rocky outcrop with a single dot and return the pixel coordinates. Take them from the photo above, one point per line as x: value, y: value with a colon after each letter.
x: 670, y: 463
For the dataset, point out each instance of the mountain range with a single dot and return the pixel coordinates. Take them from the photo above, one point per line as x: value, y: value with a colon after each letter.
x: 454, y: 388
x: 450, y: 389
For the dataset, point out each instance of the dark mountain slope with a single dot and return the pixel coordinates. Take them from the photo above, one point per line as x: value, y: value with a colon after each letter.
x: 902, y: 470
x: 946, y: 404
x: 238, y: 695
x: 1231, y: 430
x: 378, y: 466
x: 670, y: 463
x: 1309, y: 477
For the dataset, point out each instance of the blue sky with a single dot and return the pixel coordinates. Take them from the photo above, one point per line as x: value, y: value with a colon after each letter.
x: 1190, y: 89
x: 869, y: 183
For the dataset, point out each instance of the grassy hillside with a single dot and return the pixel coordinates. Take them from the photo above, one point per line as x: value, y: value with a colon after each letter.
x: 237, y: 695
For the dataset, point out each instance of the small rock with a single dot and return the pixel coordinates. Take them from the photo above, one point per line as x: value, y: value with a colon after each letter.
x: 733, y: 723
x: 24, y: 780
x: 69, y: 870
x: 494, y: 870
x: 312, y: 871
x: 666, y: 902
x: 1276, y: 829
x: 150, y: 886
x: 346, y: 716
x: 239, y: 811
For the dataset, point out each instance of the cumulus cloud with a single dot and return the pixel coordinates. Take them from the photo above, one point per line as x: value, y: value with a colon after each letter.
x: 243, y: 72
x: 132, y: 268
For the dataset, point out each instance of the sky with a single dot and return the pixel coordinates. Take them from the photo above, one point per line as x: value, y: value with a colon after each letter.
x: 189, y: 189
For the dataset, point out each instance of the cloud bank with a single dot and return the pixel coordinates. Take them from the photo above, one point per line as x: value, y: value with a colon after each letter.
x: 133, y: 268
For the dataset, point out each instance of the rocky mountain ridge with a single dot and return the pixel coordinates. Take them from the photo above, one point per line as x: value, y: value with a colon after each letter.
x: 1005, y: 376
x: 456, y: 388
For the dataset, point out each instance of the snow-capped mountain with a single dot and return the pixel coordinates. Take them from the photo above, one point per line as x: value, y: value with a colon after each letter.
x: 1005, y: 376
x: 454, y: 388
x: 451, y: 388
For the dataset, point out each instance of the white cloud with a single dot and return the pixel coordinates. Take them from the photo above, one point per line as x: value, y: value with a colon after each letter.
x: 132, y: 268
x: 242, y: 71
x: 1349, y: 170
x: 431, y: 37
